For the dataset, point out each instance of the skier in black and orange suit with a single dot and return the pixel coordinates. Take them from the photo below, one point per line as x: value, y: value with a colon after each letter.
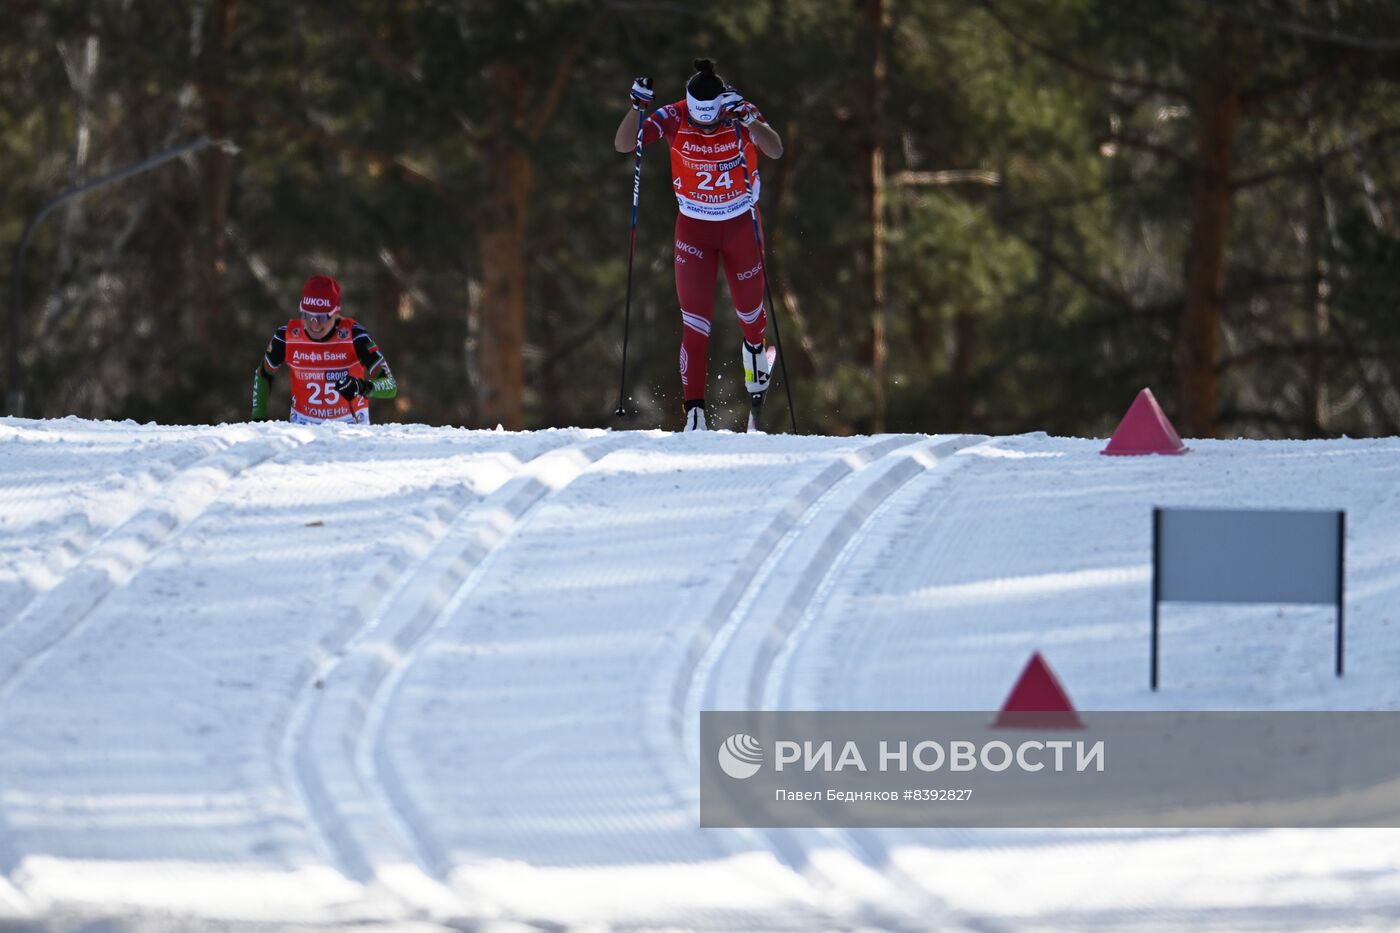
x: 336, y: 366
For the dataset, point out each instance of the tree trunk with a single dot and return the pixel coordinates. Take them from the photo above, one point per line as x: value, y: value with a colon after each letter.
x: 1319, y: 314
x: 1228, y: 61
x: 81, y: 67
x: 391, y: 307
x: 214, y: 247
x: 501, y: 308
x: 964, y: 356
x: 874, y: 11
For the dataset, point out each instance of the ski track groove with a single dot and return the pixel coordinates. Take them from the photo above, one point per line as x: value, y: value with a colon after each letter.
x: 867, y: 844
x: 904, y: 905
x: 342, y: 773
x: 834, y: 552
x: 912, y: 907
x: 76, y: 543
x: 665, y: 725
x: 875, y: 846
x: 61, y: 614
x: 763, y: 556
x: 676, y: 727
x: 426, y: 526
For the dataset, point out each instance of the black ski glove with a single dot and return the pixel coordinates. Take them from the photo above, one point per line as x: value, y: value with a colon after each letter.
x: 351, y: 386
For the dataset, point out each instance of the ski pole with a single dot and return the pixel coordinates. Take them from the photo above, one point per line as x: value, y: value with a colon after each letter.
x: 763, y: 265
x: 621, y: 410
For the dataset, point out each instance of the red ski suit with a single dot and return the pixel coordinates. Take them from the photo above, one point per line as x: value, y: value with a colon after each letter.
x: 713, y: 224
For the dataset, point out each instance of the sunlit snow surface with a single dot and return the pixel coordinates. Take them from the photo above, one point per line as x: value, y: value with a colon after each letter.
x: 418, y: 677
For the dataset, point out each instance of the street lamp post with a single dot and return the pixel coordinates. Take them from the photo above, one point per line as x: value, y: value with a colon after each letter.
x: 16, y: 392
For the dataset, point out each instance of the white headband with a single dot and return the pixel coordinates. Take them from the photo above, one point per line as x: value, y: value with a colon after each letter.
x: 703, y: 111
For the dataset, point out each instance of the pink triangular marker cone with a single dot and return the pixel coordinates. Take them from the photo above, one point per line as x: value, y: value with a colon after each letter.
x: 1144, y: 430
x: 1037, y: 701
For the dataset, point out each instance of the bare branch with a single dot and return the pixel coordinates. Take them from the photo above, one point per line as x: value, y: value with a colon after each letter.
x: 286, y: 124
x: 1306, y: 30
x: 1075, y: 66
x: 388, y: 59
x: 1313, y: 164
x: 952, y: 176
x: 1089, y: 283
x: 1291, y: 350
x: 1251, y: 100
x: 1074, y: 199
x: 1144, y: 145
x: 563, y: 71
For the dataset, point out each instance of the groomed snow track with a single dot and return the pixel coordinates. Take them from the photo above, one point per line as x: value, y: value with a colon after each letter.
x: 421, y: 678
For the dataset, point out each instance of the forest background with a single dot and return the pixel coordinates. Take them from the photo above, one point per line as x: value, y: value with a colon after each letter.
x: 992, y: 215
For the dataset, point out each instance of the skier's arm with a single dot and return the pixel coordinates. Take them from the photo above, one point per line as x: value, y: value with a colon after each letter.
x: 380, y: 382
x: 262, y: 386
x: 625, y: 140
x: 763, y: 135
x: 767, y: 139
x: 262, y: 377
x: 384, y: 384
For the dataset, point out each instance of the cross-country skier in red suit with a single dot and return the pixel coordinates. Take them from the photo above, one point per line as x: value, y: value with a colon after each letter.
x: 714, y: 221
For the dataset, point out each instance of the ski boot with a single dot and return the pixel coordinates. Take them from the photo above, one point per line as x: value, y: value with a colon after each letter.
x: 695, y: 416
x: 758, y: 365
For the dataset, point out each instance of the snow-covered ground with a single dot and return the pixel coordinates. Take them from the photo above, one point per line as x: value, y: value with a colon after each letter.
x: 277, y: 674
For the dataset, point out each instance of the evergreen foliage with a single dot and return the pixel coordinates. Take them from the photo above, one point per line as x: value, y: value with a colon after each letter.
x: 1042, y: 185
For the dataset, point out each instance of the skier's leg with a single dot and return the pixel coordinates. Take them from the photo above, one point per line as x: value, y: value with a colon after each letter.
x: 697, y: 260
x: 743, y: 267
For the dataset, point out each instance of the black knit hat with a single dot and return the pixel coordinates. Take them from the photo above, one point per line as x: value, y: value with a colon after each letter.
x: 705, y: 84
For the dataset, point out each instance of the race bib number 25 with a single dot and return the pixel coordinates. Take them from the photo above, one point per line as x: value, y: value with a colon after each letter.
x: 323, y: 393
